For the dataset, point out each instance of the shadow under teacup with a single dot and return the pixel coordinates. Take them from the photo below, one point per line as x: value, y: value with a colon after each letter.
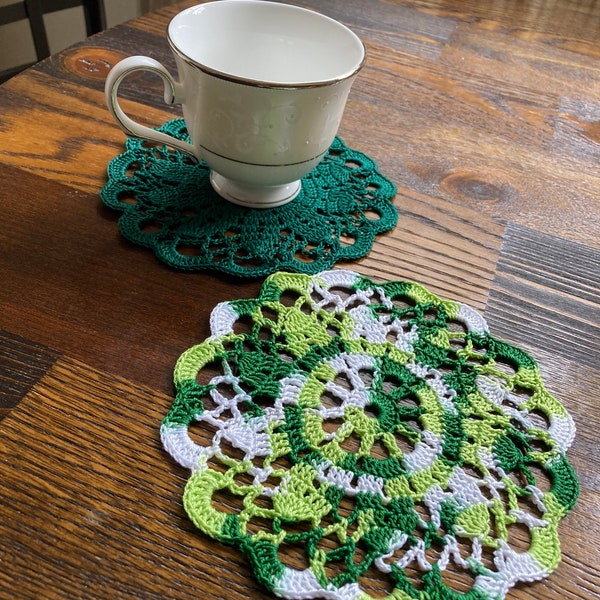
x: 263, y: 87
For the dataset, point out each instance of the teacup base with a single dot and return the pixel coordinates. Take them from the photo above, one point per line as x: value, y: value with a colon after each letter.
x: 253, y: 196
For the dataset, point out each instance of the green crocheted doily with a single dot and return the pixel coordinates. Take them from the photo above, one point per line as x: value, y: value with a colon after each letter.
x: 340, y: 432
x: 168, y: 205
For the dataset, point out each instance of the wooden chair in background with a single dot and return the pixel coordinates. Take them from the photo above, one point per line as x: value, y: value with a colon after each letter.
x: 34, y: 11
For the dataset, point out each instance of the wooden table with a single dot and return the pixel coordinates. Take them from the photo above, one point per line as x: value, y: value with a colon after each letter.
x: 487, y: 117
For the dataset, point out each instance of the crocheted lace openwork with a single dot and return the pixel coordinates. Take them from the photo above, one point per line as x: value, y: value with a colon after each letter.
x: 167, y: 204
x: 337, y: 430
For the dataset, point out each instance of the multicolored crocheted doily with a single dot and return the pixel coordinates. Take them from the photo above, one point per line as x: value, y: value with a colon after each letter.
x: 167, y: 204
x: 340, y: 432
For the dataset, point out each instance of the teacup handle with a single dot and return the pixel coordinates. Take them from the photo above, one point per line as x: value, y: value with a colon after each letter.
x: 173, y: 95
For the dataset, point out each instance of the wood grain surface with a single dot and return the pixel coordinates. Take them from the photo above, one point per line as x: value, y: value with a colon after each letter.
x: 486, y: 115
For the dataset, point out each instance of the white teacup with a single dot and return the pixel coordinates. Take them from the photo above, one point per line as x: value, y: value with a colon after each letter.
x: 263, y: 87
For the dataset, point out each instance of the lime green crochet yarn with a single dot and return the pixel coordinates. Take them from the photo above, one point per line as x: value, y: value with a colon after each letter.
x: 167, y: 204
x: 337, y: 428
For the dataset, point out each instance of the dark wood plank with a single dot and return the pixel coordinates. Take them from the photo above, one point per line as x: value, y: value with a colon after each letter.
x: 492, y: 123
x: 22, y: 363
x: 543, y: 319
x: 103, y: 501
x: 539, y: 137
x: 557, y: 20
x: 425, y: 236
x: 397, y: 26
x: 546, y: 294
x: 567, y: 267
x: 92, y: 295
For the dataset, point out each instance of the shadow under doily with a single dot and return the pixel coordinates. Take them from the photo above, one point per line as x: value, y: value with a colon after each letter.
x: 168, y: 205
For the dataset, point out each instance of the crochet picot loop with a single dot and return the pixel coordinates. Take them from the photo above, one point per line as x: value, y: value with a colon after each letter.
x: 168, y: 205
x: 346, y: 434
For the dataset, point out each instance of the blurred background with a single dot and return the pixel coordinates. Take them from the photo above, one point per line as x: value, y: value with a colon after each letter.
x: 63, y: 27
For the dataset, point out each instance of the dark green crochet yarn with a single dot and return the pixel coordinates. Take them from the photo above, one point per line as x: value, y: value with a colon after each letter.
x: 168, y: 205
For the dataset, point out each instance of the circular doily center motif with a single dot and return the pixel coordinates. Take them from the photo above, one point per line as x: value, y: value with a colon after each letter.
x: 358, y: 440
